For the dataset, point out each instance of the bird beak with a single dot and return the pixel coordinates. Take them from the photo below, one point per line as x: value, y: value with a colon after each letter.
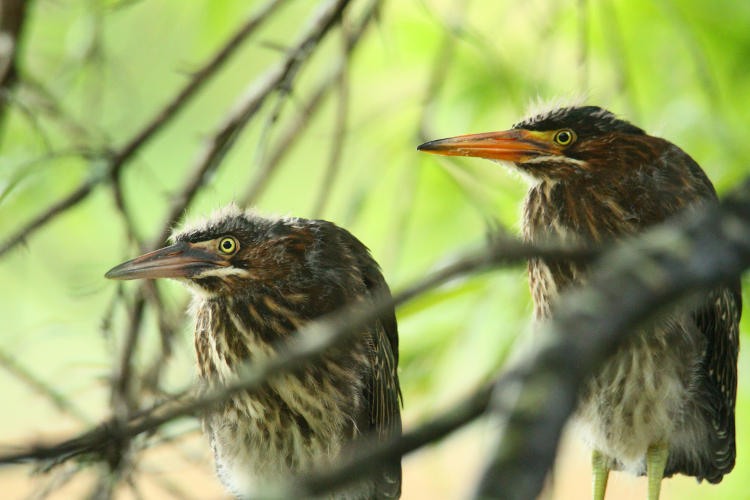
x: 181, y: 260
x: 516, y: 145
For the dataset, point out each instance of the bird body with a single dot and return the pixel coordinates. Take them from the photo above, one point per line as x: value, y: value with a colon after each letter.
x: 652, y: 390
x: 664, y: 403
x: 256, y: 282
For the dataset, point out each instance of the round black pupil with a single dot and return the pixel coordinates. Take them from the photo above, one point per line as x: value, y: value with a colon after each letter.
x: 563, y: 137
x: 227, y: 245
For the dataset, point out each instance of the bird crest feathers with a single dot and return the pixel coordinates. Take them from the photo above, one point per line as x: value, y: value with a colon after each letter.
x: 541, y: 108
x: 218, y: 218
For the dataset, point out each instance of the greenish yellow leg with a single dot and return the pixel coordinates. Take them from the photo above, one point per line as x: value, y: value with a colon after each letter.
x: 600, y: 465
x: 656, y: 460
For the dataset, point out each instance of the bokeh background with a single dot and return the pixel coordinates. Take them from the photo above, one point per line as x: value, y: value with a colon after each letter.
x: 92, y: 73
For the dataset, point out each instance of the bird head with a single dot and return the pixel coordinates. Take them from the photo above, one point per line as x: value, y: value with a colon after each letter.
x: 558, y: 144
x: 225, y: 253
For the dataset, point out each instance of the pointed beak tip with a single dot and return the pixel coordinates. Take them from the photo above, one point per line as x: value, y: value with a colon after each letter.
x: 428, y: 147
x: 116, y: 273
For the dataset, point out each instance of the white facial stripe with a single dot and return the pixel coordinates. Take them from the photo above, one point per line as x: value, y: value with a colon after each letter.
x: 554, y: 158
x: 222, y: 271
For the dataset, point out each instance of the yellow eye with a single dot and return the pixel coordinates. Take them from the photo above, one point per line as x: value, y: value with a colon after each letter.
x: 228, y: 245
x: 564, y: 137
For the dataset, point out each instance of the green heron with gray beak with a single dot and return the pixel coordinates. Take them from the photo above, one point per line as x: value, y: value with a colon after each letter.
x: 664, y: 403
x: 256, y: 282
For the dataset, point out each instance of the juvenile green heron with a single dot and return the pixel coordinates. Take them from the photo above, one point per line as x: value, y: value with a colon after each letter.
x: 664, y: 404
x: 255, y: 282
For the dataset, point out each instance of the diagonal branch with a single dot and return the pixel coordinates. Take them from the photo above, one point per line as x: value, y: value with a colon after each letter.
x: 289, y: 136
x: 314, y: 339
x: 692, y: 255
x: 199, y: 79
x: 58, y: 400
x: 119, y: 158
x: 220, y: 143
x: 12, y: 18
x: 339, y: 137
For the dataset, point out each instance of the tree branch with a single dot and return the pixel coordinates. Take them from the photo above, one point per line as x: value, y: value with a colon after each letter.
x: 339, y: 135
x: 119, y: 158
x: 312, y: 340
x: 289, y: 136
x: 12, y: 17
x: 58, y: 400
x: 246, y: 108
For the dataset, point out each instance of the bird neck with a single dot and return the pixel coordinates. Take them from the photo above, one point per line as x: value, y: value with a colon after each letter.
x: 576, y: 211
x: 242, y: 327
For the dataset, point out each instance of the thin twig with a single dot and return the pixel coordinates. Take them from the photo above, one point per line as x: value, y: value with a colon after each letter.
x: 235, y: 121
x: 284, y: 144
x: 125, y: 215
x: 12, y: 20
x: 122, y: 397
x: 583, y: 43
x: 160, y: 119
x: 45, y: 102
x: 196, y: 83
x: 290, y: 135
x: 313, y: 339
x: 58, y: 400
x: 339, y: 134
x: 56, y: 482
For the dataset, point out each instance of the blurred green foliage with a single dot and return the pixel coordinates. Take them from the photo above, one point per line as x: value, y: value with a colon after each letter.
x: 94, y: 71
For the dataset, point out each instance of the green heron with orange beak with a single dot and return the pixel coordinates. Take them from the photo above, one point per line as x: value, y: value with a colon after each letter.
x: 664, y: 403
x: 256, y: 282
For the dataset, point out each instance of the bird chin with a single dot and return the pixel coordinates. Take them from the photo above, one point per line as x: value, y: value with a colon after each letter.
x: 519, y: 171
x: 196, y: 289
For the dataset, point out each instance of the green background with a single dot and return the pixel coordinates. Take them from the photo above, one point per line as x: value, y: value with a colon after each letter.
x: 425, y: 69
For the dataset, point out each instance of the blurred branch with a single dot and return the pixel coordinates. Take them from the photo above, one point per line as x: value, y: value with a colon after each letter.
x: 127, y: 219
x: 313, y: 340
x: 58, y: 400
x: 694, y: 254
x: 619, y: 57
x: 57, y: 481
x: 583, y: 44
x: 235, y: 121
x: 370, y: 455
x: 440, y: 68
x: 339, y: 132
x: 168, y: 325
x: 441, y: 65
x: 121, y: 397
x: 196, y: 83
x: 44, y: 101
x: 12, y: 17
x: 120, y: 157
x: 691, y: 255
x: 290, y: 135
